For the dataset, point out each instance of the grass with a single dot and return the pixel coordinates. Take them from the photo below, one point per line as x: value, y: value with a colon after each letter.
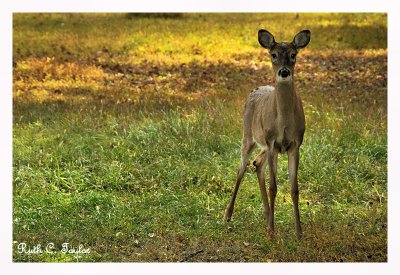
x: 127, y: 134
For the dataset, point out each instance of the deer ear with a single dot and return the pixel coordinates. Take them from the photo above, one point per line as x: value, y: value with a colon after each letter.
x: 302, y: 39
x: 266, y: 39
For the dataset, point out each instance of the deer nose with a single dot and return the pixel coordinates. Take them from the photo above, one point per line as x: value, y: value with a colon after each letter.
x: 284, y: 72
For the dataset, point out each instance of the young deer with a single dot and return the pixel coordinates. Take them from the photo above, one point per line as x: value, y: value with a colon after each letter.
x: 274, y: 120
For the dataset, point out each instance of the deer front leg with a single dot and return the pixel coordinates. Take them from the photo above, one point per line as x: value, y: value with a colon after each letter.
x: 293, y: 163
x: 260, y: 164
x: 272, y: 163
x: 247, y: 148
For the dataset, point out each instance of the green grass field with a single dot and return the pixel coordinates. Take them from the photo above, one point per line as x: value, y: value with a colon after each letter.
x: 127, y: 131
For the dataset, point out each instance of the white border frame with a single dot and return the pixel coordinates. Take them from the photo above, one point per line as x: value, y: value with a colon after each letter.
x: 6, y: 11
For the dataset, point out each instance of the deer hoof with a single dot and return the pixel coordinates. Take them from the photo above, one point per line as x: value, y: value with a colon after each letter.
x: 255, y: 163
x: 228, y: 214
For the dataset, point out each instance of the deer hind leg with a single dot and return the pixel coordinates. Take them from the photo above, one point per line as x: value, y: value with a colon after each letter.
x: 247, y: 149
x: 260, y: 163
x: 272, y: 164
x: 293, y: 163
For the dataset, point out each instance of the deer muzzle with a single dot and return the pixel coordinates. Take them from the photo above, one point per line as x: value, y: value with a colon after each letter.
x: 284, y: 72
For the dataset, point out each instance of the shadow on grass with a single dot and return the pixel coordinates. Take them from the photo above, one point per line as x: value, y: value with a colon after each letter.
x: 355, y: 81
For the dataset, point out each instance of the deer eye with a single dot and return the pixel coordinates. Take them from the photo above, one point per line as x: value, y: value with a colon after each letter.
x: 273, y: 55
x: 293, y: 55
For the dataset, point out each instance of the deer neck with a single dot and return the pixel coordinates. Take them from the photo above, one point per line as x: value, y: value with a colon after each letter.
x: 285, y: 98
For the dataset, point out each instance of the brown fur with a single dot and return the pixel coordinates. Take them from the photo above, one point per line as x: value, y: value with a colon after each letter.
x: 274, y: 120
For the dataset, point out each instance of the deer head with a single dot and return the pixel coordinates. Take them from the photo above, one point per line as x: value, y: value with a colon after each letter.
x: 283, y: 54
